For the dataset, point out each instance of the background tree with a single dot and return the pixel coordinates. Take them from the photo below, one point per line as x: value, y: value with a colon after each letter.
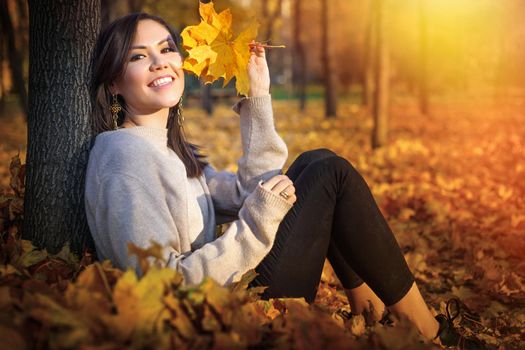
x: 136, y: 5
x: 271, y: 16
x: 299, y: 67
x: 62, y: 36
x: 3, y: 90
x: 423, y: 82
x: 381, y: 78
x: 330, y: 93
x: 368, y: 63
x: 13, y: 54
x: 112, y: 9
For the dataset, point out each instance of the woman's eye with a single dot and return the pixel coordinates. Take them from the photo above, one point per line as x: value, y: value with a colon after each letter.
x: 170, y: 49
x: 135, y: 57
x: 164, y: 50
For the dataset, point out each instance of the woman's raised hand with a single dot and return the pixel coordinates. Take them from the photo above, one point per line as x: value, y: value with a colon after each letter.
x: 280, y: 183
x: 258, y: 72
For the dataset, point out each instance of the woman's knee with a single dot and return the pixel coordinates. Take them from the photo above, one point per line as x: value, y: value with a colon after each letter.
x: 336, y: 166
x: 315, y: 154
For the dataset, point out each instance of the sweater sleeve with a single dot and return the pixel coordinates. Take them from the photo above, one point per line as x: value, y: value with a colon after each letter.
x: 264, y: 155
x: 242, y: 246
x: 130, y: 211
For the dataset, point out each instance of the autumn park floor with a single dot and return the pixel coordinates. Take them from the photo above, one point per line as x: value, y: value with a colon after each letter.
x: 451, y: 185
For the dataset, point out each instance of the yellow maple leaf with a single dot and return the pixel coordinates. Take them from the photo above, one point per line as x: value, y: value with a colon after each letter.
x: 139, y: 302
x: 213, y: 50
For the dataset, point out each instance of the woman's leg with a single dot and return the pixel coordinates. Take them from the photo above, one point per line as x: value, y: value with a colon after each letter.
x: 303, y: 236
x: 335, y: 204
x: 377, y: 258
x: 361, y: 298
x: 310, y: 220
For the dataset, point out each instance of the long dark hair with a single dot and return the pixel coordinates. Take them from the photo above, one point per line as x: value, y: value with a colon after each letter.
x: 109, y: 63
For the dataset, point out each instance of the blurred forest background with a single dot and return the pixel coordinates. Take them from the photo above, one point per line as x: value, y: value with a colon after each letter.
x: 426, y: 98
x: 458, y: 48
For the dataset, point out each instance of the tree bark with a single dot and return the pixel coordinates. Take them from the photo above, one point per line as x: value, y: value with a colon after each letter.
x: 368, y: 69
x: 113, y: 9
x: 14, y: 56
x: 423, y: 79
x: 62, y: 36
x: 206, y: 98
x: 381, y: 93
x: 299, y: 70
x: 270, y: 18
x: 328, y: 71
x: 2, y: 89
x: 135, y: 5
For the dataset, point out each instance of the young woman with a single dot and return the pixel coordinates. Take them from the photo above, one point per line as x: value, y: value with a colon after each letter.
x: 145, y: 182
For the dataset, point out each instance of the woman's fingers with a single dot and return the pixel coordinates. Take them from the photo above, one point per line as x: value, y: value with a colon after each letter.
x: 269, y: 184
x: 257, y: 49
x: 280, y: 183
x: 288, y: 187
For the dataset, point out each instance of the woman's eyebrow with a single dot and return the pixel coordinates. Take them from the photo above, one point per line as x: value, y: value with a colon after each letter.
x: 160, y: 42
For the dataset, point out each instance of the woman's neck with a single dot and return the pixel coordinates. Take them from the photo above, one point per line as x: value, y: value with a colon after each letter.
x: 156, y: 120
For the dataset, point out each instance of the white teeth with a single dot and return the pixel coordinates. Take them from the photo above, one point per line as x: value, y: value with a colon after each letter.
x: 161, y: 81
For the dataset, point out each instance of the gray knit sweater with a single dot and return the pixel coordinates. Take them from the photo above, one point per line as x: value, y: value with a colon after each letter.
x: 137, y: 190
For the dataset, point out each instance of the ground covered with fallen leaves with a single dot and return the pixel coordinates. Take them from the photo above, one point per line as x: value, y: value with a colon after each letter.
x: 450, y: 185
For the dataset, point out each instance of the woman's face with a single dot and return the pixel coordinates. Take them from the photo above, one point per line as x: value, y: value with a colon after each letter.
x: 153, y: 78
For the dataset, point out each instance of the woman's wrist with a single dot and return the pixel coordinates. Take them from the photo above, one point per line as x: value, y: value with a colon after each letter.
x: 258, y: 92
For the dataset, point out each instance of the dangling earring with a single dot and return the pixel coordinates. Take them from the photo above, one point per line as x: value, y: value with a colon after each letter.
x: 180, y: 117
x: 115, y: 109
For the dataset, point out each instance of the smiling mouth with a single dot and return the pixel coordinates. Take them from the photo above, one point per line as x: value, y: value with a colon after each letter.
x: 161, y: 82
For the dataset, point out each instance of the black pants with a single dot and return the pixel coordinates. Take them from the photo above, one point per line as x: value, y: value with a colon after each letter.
x: 335, y: 217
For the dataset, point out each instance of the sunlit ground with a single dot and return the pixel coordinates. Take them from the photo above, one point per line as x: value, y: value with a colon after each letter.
x: 450, y: 185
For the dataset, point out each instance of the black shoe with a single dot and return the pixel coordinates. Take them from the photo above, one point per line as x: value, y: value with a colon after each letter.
x: 387, y: 319
x: 448, y: 334
x: 345, y: 315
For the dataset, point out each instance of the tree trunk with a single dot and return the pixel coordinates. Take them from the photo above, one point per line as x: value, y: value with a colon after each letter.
x: 113, y: 9
x: 328, y: 72
x: 14, y: 56
x: 423, y: 79
x: 23, y: 27
x: 62, y: 36
x: 270, y: 17
x: 381, y: 93
x: 299, y: 70
x: 135, y: 5
x: 2, y: 89
x: 368, y: 69
x: 206, y: 98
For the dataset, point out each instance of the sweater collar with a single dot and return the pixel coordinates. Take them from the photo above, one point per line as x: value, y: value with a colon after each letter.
x: 157, y: 136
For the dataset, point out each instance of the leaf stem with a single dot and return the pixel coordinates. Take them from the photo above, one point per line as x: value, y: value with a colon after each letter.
x: 273, y: 46
x: 267, y: 46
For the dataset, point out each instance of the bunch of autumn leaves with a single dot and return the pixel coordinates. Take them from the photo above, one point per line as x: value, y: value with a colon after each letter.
x: 214, y: 52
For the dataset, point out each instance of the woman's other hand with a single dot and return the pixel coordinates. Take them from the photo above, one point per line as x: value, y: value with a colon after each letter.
x: 280, y: 183
x: 258, y: 72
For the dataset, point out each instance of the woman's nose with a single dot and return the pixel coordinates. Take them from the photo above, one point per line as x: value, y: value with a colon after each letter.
x: 159, y: 62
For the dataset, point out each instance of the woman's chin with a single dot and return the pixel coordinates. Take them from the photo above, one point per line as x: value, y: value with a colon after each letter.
x: 168, y: 103
x: 172, y: 102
